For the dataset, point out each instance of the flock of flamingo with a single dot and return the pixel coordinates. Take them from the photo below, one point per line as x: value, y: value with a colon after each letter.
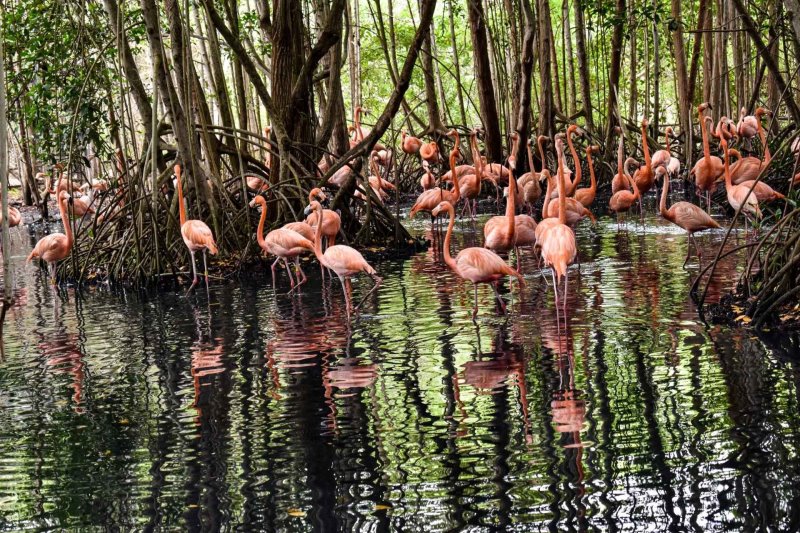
x: 564, y: 205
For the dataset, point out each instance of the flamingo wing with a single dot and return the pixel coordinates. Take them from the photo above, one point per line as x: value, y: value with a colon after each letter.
x: 197, y: 236
x: 346, y: 261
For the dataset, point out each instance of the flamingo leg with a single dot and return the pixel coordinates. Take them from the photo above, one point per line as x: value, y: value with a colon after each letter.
x: 299, y: 271
x: 475, y: 304
x: 499, y: 298
x: 377, y: 283
x: 274, y: 275
x: 516, y: 257
x: 289, y: 273
x: 566, y: 287
x: 689, y: 244
x: 346, y: 295
x: 555, y: 286
x: 194, y: 273
x: 205, y: 268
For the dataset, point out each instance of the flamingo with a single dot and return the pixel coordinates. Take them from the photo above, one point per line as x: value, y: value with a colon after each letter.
x: 410, y: 145
x: 586, y: 195
x: 763, y: 192
x: 54, y: 247
x: 82, y: 205
x: 557, y: 240
x: 345, y: 261
x: 745, y: 168
x: 644, y: 176
x: 663, y: 157
x: 619, y: 181
x: 470, y: 184
x: 283, y: 243
x: 621, y: 201
x: 571, y: 185
x: 747, y: 127
x: 429, y: 152
x: 500, y: 231
x: 575, y: 210
x: 429, y: 199
x: 529, y: 190
x: 14, y: 216
x: 684, y: 215
x: 477, y: 265
x: 331, y: 221
x: 709, y: 168
x: 196, y: 234
x: 760, y: 112
x: 427, y: 181
x: 739, y: 196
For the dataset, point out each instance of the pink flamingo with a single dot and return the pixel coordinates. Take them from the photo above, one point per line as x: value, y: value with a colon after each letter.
x: 346, y: 262
x: 197, y: 236
x: 684, y: 215
x: 283, y: 243
x: 477, y: 265
x: 54, y: 247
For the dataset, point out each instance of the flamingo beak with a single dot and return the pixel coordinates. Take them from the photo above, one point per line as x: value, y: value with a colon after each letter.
x: 252, y: 203
x: 307, y: 211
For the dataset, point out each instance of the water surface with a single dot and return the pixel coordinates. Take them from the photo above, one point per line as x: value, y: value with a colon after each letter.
x: 254, y: 409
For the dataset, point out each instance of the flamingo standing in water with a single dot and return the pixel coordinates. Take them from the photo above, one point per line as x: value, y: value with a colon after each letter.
x: 429, y: 152
x: 551, y: 209
x: 331, y: 221
x: 571, y: 186
x: 197, y: 236
x: 14, y: 216
x: 586, y: 195
x: 644, y: 177
x: 709, y: 168
x: 684, y: 215
x: 557, y: 240
x: 622, y: 201
x: 283, y: 243
x: 747, y: 127
x: 477, y: 265
x: 54, y: 247
x: 427, y: 181
x: 619, y: 181
x: 429, y: 199
x: 500, y: 231
x: 346, y: 262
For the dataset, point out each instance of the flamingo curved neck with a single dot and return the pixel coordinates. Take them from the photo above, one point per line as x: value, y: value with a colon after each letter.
x: 260, y: 231
x: 318, y: 237
x: 592, y: 179
x: 448, y: 259
x: 726, y: 160
x: 645, y: 148
x: 620, y: 154
x: 65, y: 220
x: 664, y: 193
x: 530, y: 159
x: 562, y: 197
x: 704, y: 132
x: 548, y: 192
x: 181, y: 207
x: 456, y: 189
x: 576, y: 161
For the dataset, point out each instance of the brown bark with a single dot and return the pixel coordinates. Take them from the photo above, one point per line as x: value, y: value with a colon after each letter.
x: 752, y: 31
x: 483, y: 79
x: 614, y: 74
x: 583, y: 62
x: 546, y: 111
x: 679, y: 52
x: 523, y: 118
x: 696, y: 47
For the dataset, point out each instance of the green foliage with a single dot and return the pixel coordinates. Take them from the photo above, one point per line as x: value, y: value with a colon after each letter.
x: 61, y: 65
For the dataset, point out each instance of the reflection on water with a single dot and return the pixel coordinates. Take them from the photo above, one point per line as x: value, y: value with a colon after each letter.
x: 255, y: 410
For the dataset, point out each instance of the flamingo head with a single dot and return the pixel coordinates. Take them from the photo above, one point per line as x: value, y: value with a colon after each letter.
x: 668, y: 132
x: 702, y: 107
x: 544, y: 175
x: 573, y: 130
x: 593, y: 149
x: 267, y: 131
x: 645, y: 122
x: 661, y: 172
x: 312, y: 207
x: 543, y: 139
x: 761, y: 111
x: 443, y: 206
x: 617, y: 130
x: 316, y: 192
x: 258, y: 200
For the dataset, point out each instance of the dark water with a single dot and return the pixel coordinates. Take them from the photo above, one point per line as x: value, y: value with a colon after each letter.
x: 250, y: 410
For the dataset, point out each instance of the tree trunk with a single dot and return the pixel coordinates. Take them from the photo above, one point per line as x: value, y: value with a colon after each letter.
x: 457, y: 65
x: 435, y: 125
x: 614, y: 74
x: 546, y: 111
x: 572, y: 93
x: 656, y: 73
x: 523, y: 117
x: 750, y: 27
x: 483, y: 78
x: 583, y: 62
x: 679, y: 51
x: 696, y: 47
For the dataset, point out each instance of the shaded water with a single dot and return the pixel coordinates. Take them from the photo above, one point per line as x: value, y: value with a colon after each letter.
x: 249, y: 410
